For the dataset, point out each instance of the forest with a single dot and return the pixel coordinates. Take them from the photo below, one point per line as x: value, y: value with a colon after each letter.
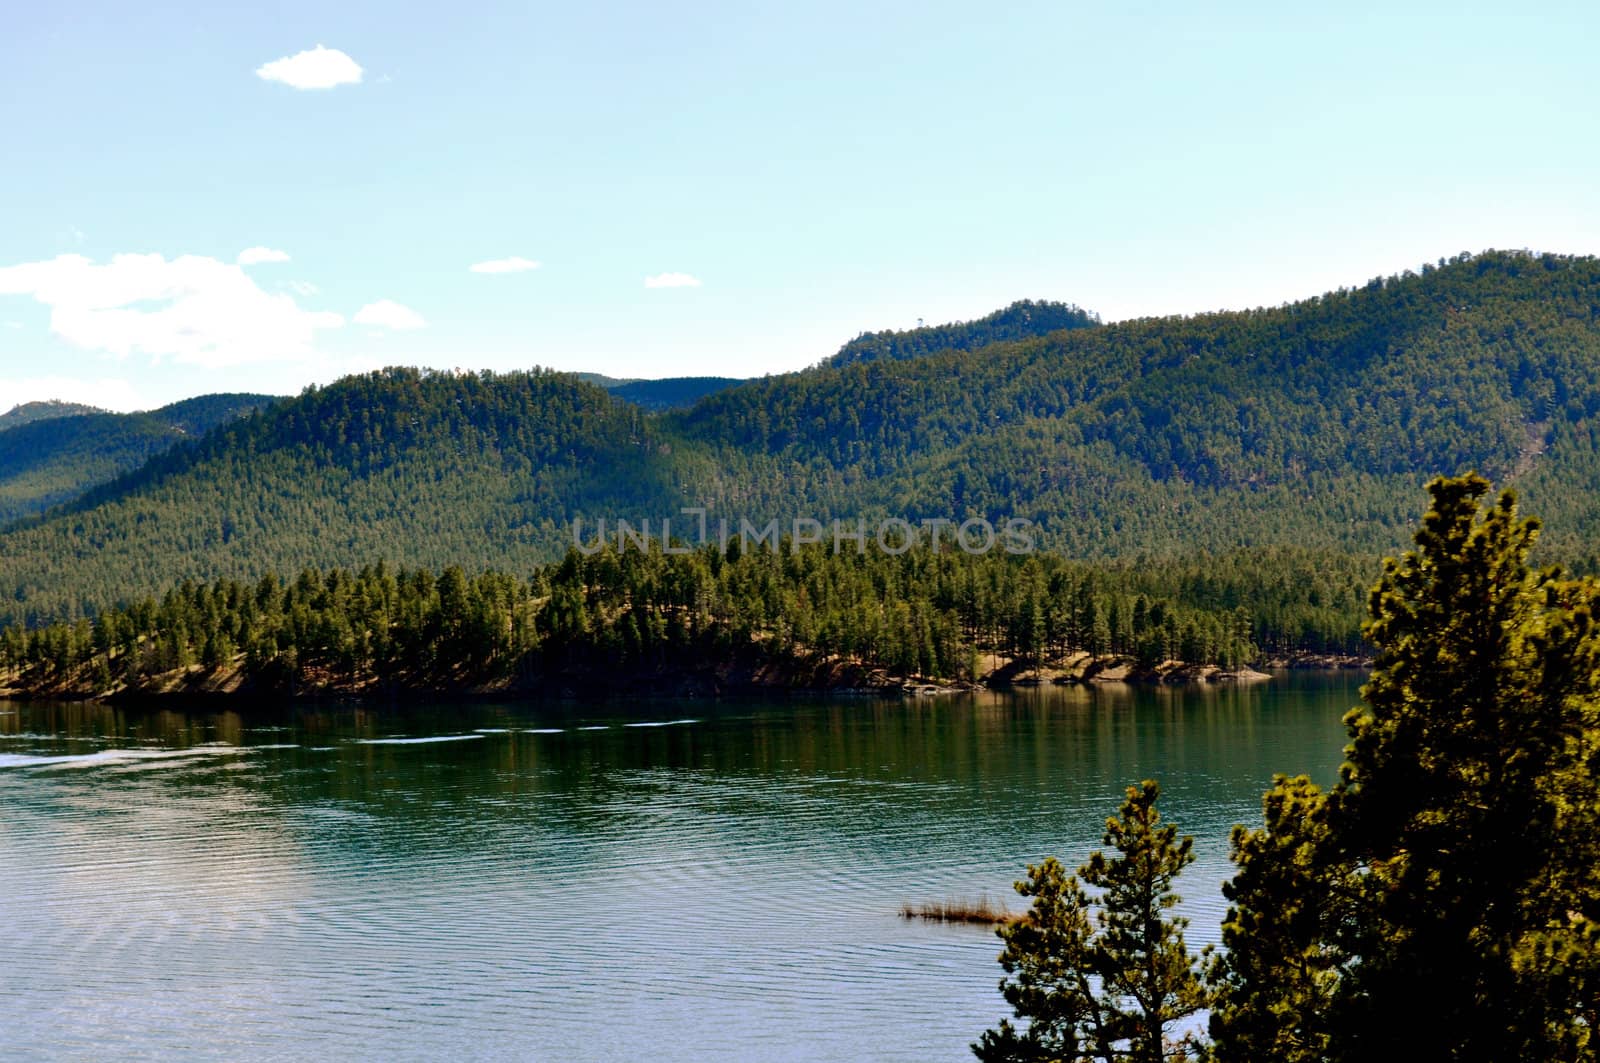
x: 631, y: 620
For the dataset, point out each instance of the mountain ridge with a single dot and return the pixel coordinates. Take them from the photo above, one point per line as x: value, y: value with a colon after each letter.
x: 1310, y: 424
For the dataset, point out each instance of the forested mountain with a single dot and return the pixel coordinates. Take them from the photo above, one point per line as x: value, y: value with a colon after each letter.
x: 1021, y: 320
x: 54, y: 452
x: 669, y: 393
x: 1313, y: 421
x: 480, y: 470
x: 1312, y: 424
x: 29, y: 412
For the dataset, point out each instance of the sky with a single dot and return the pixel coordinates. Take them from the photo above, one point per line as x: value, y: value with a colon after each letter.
x: 222, y: 197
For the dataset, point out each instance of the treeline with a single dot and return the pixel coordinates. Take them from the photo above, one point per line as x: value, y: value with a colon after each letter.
x: 943, y: 615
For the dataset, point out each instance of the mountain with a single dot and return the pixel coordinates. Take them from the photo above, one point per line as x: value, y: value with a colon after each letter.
x: 1317, y: 419
x: 446, y: 468
x: 1021, y: 320
x: 29, y: 412
x: 1311, y: 424
x: 668, y: 393
x: 53, y: 452
x: 673, y: 393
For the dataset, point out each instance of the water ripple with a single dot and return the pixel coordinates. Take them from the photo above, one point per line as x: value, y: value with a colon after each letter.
x: 668, y: 892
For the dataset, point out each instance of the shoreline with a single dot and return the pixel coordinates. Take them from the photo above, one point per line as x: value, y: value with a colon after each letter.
x: 826, y: 678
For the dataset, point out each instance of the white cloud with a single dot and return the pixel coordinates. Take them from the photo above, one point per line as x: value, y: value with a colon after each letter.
x: 318, y: 68
x: 514, y: 264
x: 672, y: 280
x: 302, y: 288
x: 251, y: 256
x: 386, y: 313
x: 193, y: 308
x: 105, y: 392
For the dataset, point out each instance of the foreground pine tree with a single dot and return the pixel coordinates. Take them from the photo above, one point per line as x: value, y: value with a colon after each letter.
x: 1112, y: 987
x: 1443, y: 900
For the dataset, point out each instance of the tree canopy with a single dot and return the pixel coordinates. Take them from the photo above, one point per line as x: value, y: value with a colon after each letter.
x: 1442, y: 901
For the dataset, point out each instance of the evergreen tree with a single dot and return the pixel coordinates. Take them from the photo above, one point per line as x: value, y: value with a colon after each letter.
x: 1115, y: 989
x: 1274, y: 981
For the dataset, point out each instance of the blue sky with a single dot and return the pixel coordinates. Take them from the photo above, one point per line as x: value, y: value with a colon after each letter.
x: 817, y: 169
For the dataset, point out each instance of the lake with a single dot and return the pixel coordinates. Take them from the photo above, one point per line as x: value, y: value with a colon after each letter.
x: 646, y: 880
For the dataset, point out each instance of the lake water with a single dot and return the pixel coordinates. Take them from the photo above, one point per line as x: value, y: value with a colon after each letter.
x: 660, y: 880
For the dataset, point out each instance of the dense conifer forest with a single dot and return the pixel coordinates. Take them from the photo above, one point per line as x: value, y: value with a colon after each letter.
x: 626, y: 620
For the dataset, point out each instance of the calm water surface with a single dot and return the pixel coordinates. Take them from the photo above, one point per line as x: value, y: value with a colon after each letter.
x: 664, y: 881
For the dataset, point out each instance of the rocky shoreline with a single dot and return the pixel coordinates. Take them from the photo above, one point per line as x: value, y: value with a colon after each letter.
x: 753, y: 675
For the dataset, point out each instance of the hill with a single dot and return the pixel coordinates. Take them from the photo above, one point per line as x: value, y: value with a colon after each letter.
x: 1316, y: 421
x: 474, y: 469
x: 29, y: 412
x: 672, y: 393
x: 1311, y: 424
x: 57, y: 451
x: 668, y: 393
x: 1021, y: 320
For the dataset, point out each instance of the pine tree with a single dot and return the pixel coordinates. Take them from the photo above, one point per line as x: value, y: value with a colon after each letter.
x: 1149, y: 977
x: 1466, y: 810
x: 1111, y: 988
x: 1050, y: 957
x: 1275, y: 981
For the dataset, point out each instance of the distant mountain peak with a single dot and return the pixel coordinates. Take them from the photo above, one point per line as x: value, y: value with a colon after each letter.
x: 44, y: 410
x: 1023, y: 319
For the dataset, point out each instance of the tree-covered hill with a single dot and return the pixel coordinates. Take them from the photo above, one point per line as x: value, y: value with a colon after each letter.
x: 478, y: 470
x: 1317, y: 419
x: 669, y: 393
x: 28, y: 412
x: 1021, y: 320
x: 51, y: 453
x: 1312, y: 424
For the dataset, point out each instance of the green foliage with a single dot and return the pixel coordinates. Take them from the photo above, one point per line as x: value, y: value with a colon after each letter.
x: 1275, y: 980
x: 1443, y: 900
x: 1050, y: 957
x: 1116, y: 990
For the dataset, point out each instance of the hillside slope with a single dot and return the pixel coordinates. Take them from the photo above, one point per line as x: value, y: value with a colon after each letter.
x: 52, y: 456
x: 1314, y: 421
